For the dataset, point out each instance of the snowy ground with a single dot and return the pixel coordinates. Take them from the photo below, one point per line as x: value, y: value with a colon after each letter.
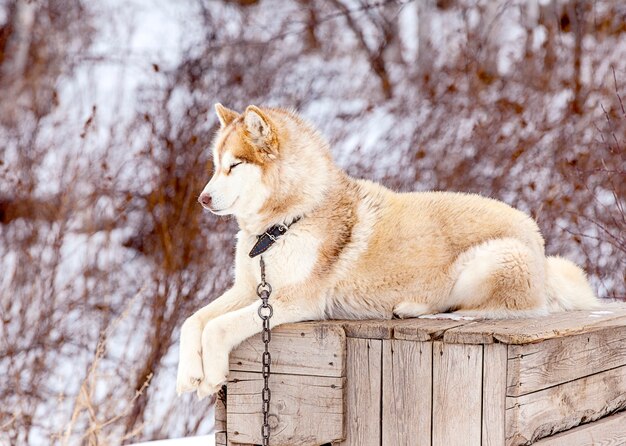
x: 204, y: 440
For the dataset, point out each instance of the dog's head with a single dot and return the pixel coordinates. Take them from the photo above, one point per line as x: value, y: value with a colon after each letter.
x: 267, y: 162
x: 242, y: 150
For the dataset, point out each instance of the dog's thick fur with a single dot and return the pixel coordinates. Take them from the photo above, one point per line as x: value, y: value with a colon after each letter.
x: 359, y: 250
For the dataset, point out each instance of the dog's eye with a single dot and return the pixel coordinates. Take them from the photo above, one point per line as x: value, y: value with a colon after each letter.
x: 232, y: 166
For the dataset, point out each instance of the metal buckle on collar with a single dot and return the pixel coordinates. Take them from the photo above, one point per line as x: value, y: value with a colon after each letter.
x: 263, y: 244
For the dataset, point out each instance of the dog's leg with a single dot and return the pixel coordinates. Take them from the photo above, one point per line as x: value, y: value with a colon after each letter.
x: 190, y: 354
x: 499, y: 278
x: 408, y: 309
x: 224, y: 333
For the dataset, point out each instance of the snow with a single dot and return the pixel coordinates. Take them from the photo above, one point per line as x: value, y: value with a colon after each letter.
x: 451, y: 316
x: 204, y: 440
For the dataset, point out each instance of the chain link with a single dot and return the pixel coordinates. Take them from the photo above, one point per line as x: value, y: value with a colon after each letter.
x: 265, y: 313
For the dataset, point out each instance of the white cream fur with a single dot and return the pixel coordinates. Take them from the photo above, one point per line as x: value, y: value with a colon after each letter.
x: 360, y: 250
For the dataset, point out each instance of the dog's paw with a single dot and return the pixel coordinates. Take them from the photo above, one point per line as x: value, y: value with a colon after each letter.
x: 404, y: 310
x: 207, y: 388
x: 190, y: 374
x: 215, y: 373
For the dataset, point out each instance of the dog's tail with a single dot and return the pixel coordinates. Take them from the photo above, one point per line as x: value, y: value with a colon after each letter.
x: 568, y: 287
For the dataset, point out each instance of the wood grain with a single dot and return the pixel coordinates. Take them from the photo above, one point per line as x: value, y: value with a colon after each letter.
x: 494, y: 394
x: 534, y: 367
x: 310, y: 348
x: 220, y: 415
x: 407, y: 393
x: 220, y: 438
x: 414, y: 329
x: 363, y: 393
x: 424, y: 329
x: 609, y: 431
x: 528, y: 330
x: 368, y: 329
x: 305, y: 410
x: 540, y: 414
x: 457, y: 394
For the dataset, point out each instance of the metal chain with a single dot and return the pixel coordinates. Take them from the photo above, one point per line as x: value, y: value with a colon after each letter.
x: 265, y: 311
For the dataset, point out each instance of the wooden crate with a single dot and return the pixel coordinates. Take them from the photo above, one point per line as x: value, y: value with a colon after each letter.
x: 558, y: 380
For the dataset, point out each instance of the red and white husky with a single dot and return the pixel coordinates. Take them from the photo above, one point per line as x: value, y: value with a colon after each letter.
x: 356, y: 250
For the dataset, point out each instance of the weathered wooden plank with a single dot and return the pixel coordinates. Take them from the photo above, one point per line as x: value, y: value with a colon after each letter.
x: 310, y: 348
x: 609, y: 431
x: 457, y: 394
x: 407, y: 393
x: 494, y: 394
x: 363, y: 393
x: 539, y: 414
x: 424, y: 330
x: 534, y: 367
x: 220, y: 413
x: 527, y: 330
x: 415, y: 329
x: 369, y: 329
x: 220, y: 438
x: 305, y: 410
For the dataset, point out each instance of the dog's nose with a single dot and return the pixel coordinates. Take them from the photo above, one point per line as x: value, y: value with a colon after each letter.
x: 205, y: 200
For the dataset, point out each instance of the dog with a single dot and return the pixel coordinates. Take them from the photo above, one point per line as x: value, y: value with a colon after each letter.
x: 353, y: 249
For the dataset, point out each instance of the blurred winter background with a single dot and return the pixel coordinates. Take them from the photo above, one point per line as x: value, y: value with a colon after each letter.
x: 105, y: 125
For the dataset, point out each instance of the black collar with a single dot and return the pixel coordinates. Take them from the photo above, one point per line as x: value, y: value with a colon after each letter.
x: 269, y: 237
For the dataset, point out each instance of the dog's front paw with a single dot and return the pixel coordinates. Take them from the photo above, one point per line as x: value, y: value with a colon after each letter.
x: 190, y: 374
x: 215, y: 354
x: 215, y: 373
x: 207, y: 388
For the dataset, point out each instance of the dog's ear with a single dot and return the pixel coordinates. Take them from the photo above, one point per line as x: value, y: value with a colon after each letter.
x: 225, y: 115
x: 260, y: 131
